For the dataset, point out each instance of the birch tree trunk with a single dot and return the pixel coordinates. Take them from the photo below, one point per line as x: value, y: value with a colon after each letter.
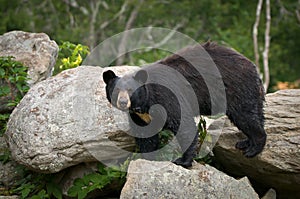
x: 267, y: 46
x: 265, y: 53
x: 94, y: 6
x: 129, y: 24
x: 255, y: 31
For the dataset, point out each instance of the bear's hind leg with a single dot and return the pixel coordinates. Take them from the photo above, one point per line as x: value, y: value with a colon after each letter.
x: 257, y: 141
x: 252, y: 127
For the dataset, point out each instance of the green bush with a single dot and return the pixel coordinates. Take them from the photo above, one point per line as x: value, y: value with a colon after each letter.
x: 13, y: 76
x: 36, y: 185
x: 204, y: 136
x: 98, y: 180
x: 70, y: 56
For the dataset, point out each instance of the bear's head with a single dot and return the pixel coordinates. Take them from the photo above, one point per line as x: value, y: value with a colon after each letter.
x: 128, y: 92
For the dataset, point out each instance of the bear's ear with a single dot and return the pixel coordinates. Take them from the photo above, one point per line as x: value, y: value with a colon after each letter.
x: 141, y: 76
x: 108, y: 75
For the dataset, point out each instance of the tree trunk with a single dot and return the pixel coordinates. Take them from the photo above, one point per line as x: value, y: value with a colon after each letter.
x: 255, y: 31
x: 129, y: 24
x: 94, y: 5
x: 267, y: 46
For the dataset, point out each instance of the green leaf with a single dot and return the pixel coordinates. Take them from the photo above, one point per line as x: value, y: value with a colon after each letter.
x: 41, y: 195
x: 2, y: 72
x: 101, y: 169
x: 82, y: 194
x: 79, y: 182
x: 73, y: 191
x: 4, y: 90
x: 97, y: 178
x: 53, y: 189
x: 26, y: 190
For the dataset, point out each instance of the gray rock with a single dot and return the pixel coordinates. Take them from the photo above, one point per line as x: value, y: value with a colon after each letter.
x: 9, y: 197
x: 66, y: 120
x: 278, y: 165
x: 146, y: 179
x: 271, y: 194
x: 66, y: 177
x: 34, y: 50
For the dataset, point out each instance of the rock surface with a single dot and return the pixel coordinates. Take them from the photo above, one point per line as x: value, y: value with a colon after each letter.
x: 34, y: 50
x: 67, y: 119
x: 146, y: 179
x: 9, y: 197
x: 278, y: 166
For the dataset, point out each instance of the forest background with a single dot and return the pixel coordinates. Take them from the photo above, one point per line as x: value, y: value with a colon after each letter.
x: 228, y: 22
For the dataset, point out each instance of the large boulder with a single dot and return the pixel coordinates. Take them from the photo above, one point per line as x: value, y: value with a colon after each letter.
x: 34, y: 50
x: 146, y: 179
x: 66, y: 120
x: 278, y: 166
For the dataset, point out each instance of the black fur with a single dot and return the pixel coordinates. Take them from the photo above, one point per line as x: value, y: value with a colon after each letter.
x: 244, y: 97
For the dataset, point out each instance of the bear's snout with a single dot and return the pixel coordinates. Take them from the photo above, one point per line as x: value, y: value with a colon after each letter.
x: 123, y: 101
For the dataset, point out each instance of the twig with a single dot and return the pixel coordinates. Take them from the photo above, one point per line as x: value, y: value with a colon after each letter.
x: 166, y: 38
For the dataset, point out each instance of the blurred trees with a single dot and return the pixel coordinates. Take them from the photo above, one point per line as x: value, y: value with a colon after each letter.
x: 228, y: 22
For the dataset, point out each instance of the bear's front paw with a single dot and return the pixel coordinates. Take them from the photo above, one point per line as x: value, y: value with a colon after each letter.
x: 183, y: 163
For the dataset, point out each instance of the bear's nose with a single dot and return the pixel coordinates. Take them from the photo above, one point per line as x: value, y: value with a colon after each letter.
x: 123, y: 102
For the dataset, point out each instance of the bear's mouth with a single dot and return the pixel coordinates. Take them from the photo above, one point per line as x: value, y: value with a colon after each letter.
x: 123, y: 108
x: 123, y: 101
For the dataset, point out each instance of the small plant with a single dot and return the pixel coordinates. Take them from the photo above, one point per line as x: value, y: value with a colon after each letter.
x: 4, y: 155
x: 13, y: 77
x: 3, y: 120
x: 203, y: 137
x: 70, y: 56
x: 98, y: 180
x: 36, y: 186
x: 168, y: 147
x: 202, y: 130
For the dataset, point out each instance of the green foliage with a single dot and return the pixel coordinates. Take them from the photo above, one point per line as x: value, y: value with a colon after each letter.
x: 227, y: 22
x: 4, y: 156
x: 203, y: 137
x: 3, y: 120
x: 14, y: 73
x: 143, y: 57
x: 13, y: 77
x: 202, y: 130
x: 97, y: 180
x: 36, y: 186
x: 164, y: 137
x: 70, y: 56
x: 168, y: 149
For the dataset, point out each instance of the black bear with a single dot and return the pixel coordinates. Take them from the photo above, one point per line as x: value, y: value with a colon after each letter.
x: 184, y: 84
